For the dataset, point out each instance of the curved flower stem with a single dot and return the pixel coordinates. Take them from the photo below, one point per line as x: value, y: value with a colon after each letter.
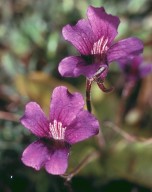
x: 90, y: 157
x: 103, y: 88
x: 88, y: 94
x: 100, y: 139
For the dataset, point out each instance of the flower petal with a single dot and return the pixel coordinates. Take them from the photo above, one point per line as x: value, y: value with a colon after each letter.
x: 84, y: 126
x: 35, y: 155
x: 68, y: 67
x: 124, y: 49
x: 103, y: 24
x: 80, y: 35
x: 35, y: 120
x: 58, y: 161
x: 75, y: 65
x: 53, y: 157
x: 65, y: 106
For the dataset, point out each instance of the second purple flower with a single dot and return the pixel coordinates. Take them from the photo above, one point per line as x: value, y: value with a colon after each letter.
x: 93, y: 38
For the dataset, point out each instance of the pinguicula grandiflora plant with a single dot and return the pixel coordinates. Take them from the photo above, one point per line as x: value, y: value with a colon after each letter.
x: 68, y: 122
x: 93, y: 37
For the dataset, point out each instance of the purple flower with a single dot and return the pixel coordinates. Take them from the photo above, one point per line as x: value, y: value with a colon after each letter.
x: 135, y: 68
x: 93, y: 38
x: 68, y: 123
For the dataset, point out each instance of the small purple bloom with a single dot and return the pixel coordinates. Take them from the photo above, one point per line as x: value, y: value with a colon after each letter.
x: 135, y: 68
x: 68, y: 123
x: 93, y: 38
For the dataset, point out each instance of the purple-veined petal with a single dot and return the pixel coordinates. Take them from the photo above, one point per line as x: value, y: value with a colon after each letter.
x: 35, y: 155
x: 69, y: 66
x: 58, y: 161
x: 84, y: 126
x: 75, y: 66
x: 35, y: 120
x: 80, y: 35
x: 90, y: 71
x: 124, y: 49
x: 102, y: 24
x: 65, y: 106
x: 53, y: 157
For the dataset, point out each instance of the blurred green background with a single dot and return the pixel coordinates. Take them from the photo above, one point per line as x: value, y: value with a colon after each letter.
x: 31, y: 47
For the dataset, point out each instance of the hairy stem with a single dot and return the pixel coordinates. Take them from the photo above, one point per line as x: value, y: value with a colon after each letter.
x: 88, y: 94
x: 99, y: 138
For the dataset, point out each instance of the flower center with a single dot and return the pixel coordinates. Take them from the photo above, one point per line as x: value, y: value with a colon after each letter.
x: 100, y: 46
x: 57, y: 131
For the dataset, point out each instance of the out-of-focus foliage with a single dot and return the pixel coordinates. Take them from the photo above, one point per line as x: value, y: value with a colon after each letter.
x: 31, y: 46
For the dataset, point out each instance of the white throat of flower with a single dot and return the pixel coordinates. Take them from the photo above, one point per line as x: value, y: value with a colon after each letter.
x: 56, y: 130
x: 100, y: 46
